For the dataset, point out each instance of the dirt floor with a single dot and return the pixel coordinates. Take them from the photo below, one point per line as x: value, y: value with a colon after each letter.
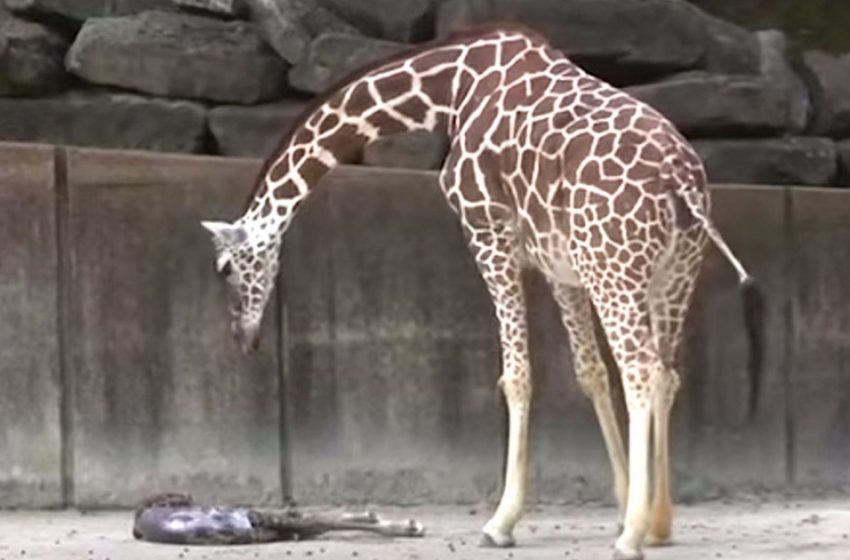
x: 752, y: 531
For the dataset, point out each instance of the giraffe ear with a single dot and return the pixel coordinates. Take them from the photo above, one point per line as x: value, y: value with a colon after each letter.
x: 224, y: 234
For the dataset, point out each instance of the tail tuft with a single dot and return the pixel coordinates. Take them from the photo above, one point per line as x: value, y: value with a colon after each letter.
x: 754, y: 316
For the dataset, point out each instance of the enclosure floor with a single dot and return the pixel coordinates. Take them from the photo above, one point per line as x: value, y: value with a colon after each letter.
x: 751, y: 531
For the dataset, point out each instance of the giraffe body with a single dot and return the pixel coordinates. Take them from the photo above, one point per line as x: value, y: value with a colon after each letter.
x: 549, y: 168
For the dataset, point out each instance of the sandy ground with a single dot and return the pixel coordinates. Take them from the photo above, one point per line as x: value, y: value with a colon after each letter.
x: 777, y: 530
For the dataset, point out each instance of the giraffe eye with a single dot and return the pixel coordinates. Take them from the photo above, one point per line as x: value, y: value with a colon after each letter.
x: 226, y: 269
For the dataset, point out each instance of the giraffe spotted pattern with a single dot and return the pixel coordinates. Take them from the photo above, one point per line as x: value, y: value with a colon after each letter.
x: 549, y: 168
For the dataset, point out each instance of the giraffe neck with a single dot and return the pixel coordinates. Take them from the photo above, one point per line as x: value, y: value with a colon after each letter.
x: 428, y: 90
x: 379, y: 104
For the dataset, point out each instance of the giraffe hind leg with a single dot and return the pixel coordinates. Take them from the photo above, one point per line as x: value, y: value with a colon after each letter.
x: 641, y: 370
x: 592, y: 374
x: 622, y: 303
x: 669, y: 306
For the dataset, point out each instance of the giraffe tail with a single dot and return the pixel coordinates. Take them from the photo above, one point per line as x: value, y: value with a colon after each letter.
x: 751, y: 295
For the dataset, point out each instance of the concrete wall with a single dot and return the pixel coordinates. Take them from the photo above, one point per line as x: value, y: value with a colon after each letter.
x: 376, y: 380
x: 157, y: 400
x: 30, y: 398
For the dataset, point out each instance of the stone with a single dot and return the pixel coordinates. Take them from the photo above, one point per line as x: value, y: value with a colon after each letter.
x: 412, y: 150
x: 708, y: 104
x: 729, y: 49
x: 395, y: 20
x: 622, y: 41
x: 843, y: 150
x: 703, y: 104
x: 289, y: 25
x: 456, y: 15
x: 253, y: 131
x: 178, y: 55
x: 828, y: 78
x: 777, y: 69
x: 227, y: 8
x: 318, y: 20
x: 106, y: 120
x: 80, y: 10
x: 280, y: 26
x: 335, y: 55
x: 31, y: 58
x: 779, y: 161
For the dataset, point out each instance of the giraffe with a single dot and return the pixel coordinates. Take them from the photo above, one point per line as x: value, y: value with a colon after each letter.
x: 549, y: 168
x: 175, y: 518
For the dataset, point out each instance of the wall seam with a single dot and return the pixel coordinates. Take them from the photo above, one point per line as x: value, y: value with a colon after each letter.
x: 282, y: 349
x: 790, y: 334
x: 63, y: 271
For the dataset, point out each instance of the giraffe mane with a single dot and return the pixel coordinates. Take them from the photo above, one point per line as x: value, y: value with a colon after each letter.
x: 459, y: 35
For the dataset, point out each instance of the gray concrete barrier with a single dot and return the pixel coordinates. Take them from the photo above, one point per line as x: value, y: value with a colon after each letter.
x: 161, y: 400
x: 393, y: 358
x: 377, y: 379
x: 818, y: 405
x: 30, y: 384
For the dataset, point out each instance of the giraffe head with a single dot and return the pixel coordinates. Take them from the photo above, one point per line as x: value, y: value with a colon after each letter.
x: 249, y: 268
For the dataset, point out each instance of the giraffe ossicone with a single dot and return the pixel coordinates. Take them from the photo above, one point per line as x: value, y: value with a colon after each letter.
x: 548, y: 168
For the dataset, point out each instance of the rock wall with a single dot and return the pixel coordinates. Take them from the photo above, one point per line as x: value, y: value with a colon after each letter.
x: 228, y: 77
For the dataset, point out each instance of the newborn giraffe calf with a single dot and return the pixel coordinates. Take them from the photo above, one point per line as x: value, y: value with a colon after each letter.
x: 177, y: 519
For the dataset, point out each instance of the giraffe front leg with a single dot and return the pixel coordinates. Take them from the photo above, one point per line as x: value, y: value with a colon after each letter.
x: 498, y: 532
x: 497, y: 257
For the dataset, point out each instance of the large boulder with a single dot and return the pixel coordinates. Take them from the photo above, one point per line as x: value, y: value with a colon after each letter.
x: 80, y: 10
x: 106, y: 120
x: 622, y: 41
x: 828, y: 77
x: 253, y: 131
x: 785, y: 161
x: 702, y: 104
x: 335, y: 55
x: 729, y: 49
x: 178, y: 55
x: 777, y: 69
x: 31, y: 58
x: 410, y: 150
x: 290, y: 25
x: 395, y: 20
x: 457, y: 15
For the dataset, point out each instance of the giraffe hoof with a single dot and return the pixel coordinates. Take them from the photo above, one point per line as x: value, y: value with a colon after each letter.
x: 627, y: 549
x: 658, y: 540
x: 495, y: 539
x: 627, y: 555
x: 415, y: 529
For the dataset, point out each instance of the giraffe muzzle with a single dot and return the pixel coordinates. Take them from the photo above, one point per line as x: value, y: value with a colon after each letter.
x: 247, y: 336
